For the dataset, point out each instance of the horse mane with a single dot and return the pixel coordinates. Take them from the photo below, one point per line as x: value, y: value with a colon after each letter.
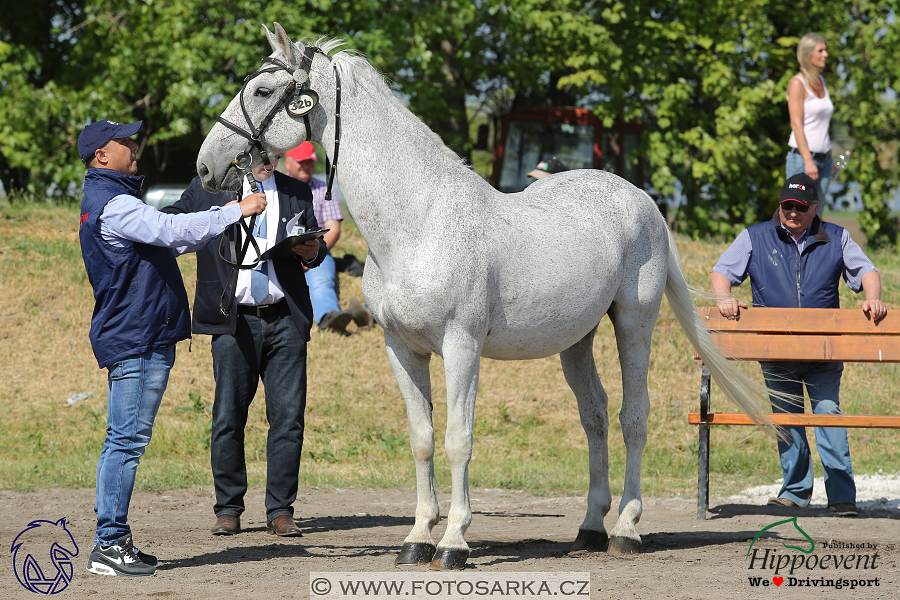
x: 356, y: 71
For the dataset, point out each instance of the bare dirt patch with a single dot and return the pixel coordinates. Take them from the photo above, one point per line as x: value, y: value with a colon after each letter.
x: 362, y: 530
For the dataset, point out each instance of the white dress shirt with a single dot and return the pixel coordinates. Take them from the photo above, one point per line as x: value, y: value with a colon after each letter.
x: 273, y: 212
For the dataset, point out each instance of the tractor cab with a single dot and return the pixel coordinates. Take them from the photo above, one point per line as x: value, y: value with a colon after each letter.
x: 573, y: 135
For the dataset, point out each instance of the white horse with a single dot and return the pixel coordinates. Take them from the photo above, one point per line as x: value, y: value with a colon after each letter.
x: 459, y: 269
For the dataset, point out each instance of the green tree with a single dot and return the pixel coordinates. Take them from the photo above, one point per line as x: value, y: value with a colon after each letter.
x: 172, y: 64
x: 445, y: 55
x: 708, y: 80
x: 868, y: 103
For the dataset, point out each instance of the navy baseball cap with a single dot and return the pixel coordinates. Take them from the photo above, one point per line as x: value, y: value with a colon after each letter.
x: 799, y: 188
x: 96, y: 135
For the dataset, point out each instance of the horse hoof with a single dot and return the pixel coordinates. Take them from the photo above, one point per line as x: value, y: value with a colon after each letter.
x: 416, y: 554
x: 450, y: 560
x: 592, y: 541
x: 624, y: 545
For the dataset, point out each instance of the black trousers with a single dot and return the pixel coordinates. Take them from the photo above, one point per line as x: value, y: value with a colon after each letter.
x: 271, y: 349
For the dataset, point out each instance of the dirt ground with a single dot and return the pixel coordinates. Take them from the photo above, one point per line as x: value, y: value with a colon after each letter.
x: 362, y: 531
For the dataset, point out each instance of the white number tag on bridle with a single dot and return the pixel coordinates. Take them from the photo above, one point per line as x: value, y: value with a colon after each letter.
x: 302, y: 103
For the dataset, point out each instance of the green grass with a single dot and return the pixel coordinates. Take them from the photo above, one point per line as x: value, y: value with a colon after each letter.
x: 527, y: 432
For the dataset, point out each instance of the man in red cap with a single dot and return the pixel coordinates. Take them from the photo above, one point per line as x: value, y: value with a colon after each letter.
x: 796, y: 260
x: 300, y: 162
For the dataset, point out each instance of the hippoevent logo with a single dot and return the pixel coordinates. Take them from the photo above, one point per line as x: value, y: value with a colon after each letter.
x: 42, y: 556
x: 836, y: 564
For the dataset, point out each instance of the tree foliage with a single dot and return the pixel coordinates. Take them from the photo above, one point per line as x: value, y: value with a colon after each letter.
x: 173, y: 64
x: 706, y: 79
x: 709, y: 82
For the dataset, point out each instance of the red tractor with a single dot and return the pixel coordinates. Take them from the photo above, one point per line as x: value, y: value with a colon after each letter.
x: 573, y: 135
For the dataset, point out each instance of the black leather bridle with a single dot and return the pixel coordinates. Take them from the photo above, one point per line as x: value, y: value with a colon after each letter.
x: 298, y: 100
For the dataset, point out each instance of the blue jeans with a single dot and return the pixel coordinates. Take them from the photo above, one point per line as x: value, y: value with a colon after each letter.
x: 794, y: 165
x: 270, y: 348
x: 823, y: 384
x: 322, y: 290
x: 136, y: 386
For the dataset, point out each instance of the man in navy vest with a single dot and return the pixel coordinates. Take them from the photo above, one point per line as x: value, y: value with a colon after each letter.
x: 140, y: 312
x: 796, y: 260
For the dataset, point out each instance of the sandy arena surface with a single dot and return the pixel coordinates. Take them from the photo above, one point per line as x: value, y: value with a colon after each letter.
x: 352, y: 530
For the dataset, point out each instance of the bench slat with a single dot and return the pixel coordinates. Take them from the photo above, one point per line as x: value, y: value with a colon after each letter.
x: 847, y: 321
x: 802, y: 420
x: 809, y: 348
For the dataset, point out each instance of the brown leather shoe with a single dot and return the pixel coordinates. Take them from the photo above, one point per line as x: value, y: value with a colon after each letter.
x: 336, y: 320
x: 227, y: 525
x: 782, y: 502
x: 362, y: 316
x: 283, y: 526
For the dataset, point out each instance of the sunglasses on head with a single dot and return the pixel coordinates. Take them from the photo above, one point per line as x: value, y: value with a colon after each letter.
x: 793, y: 206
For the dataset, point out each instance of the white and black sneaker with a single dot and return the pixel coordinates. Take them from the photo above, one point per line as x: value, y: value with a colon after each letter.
x: 120, y: 560
x: 147, y: 559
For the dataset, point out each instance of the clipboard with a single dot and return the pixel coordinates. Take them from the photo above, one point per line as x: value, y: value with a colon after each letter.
x: 283, y: 248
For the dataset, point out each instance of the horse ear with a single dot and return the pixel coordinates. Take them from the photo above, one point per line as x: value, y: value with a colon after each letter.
x: 280, y: 42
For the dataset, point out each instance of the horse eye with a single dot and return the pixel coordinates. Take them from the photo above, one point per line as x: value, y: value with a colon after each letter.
x: 264, y: 92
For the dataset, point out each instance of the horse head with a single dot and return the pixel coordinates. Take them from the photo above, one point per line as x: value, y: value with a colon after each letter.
x: 280, y: 105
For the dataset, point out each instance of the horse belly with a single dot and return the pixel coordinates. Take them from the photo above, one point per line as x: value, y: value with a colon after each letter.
x: 523, y: 332
x: 531, y: 344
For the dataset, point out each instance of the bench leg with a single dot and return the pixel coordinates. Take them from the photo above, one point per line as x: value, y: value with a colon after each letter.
x: 703, y: 474
x: 703, y: 449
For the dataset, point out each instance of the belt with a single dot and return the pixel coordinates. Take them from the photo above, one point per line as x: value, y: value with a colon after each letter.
x: 815, y: 155
x: 265, y: 310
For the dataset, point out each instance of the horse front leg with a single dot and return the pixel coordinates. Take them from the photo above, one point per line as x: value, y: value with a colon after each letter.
x: 581, y: 374
x: 411, y: 370
x: 461, y: 365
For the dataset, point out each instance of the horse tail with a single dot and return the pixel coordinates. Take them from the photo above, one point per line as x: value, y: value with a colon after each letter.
x: 751, y: 397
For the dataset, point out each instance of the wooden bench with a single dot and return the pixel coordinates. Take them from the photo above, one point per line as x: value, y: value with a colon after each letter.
x: 793, y: 334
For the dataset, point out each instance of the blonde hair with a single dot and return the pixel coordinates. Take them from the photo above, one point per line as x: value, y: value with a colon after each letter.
x: 804, y: 53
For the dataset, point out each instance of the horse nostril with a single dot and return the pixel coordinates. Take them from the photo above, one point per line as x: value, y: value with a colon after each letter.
x: 202, y: 171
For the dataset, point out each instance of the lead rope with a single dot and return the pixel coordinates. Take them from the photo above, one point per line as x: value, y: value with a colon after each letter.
x: 332, y: 169
x: 226, y: 301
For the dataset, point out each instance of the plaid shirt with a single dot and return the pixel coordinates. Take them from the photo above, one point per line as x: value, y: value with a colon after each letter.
x: 325, y: 211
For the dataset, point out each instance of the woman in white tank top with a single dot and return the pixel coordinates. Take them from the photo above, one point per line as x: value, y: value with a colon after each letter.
x: 810, y: 108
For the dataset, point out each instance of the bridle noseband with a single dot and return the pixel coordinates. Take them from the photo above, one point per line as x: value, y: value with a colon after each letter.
x: 298, y: 100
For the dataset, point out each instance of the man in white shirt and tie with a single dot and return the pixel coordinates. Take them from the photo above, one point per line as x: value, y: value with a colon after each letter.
x: 264, y: 336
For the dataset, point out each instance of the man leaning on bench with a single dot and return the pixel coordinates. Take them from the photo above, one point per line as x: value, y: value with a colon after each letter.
x: 796, y: 260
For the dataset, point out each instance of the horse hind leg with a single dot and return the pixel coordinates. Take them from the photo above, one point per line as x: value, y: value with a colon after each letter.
x: 411, y: 371
x: 634, y: 330
x: 581, y: 374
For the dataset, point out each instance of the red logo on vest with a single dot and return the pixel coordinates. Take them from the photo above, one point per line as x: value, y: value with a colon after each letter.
x: 84, y: 218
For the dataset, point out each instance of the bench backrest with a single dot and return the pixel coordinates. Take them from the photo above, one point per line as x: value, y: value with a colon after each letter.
x: 805, y: 335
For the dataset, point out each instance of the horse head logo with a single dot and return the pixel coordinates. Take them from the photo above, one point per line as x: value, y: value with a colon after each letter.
x: 812, y: 544
x: 42, y: 556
